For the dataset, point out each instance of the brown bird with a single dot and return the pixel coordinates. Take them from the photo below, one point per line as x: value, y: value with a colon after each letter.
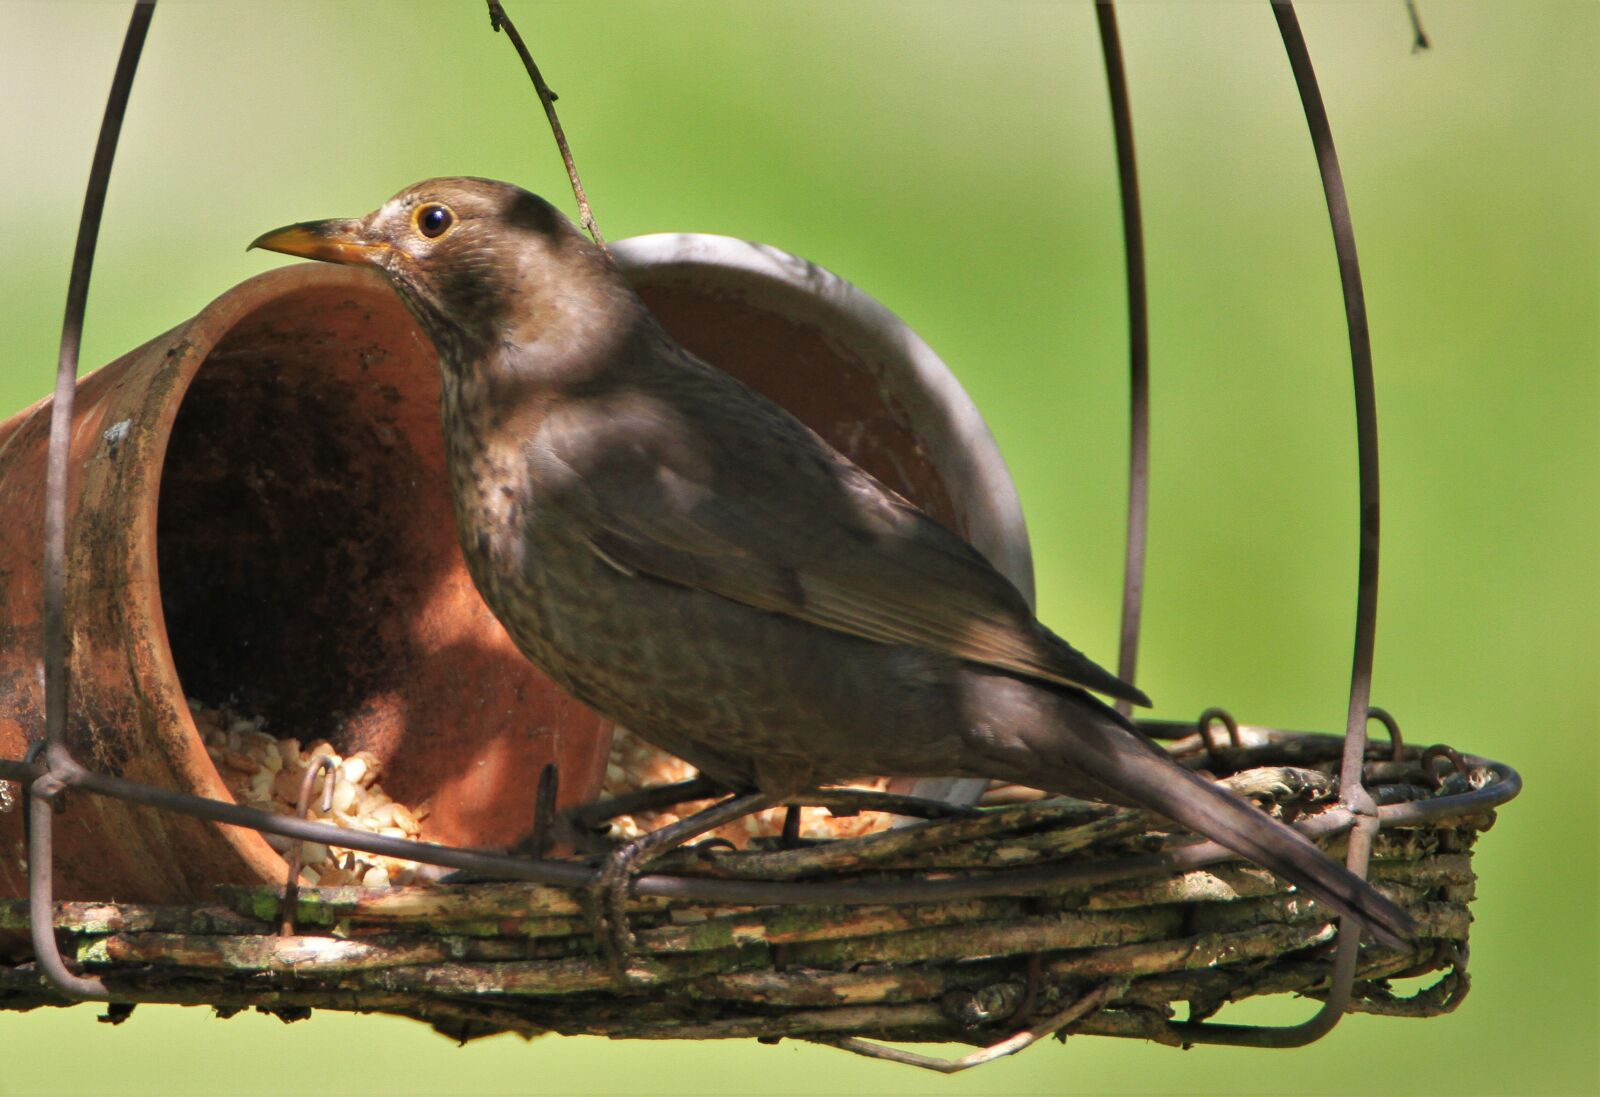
x: 688, y: 558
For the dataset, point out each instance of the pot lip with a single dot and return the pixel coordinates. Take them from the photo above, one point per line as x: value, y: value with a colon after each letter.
x: 192, y: 343
x: 793, y: 285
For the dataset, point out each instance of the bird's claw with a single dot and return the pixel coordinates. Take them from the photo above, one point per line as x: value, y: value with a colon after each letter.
x: 608, y: 890
x: 608, y: 913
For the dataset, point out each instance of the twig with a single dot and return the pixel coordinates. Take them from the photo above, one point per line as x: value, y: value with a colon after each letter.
x: 910, y: 845
x: 1419, y: 40
x: 652, y: 798
x: 1095, y: 1000
x: 499, y: 20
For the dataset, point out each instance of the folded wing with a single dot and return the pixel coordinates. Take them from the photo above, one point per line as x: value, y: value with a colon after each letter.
x: 732, y: 495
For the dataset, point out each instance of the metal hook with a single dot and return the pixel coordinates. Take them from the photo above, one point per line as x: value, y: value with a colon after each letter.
x: 323, y: 764
x: 1397, y: 745
x: 1439, y: 750
x: 1211, y: 716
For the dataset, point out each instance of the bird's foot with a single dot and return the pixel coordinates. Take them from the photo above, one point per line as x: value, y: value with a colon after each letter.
x: 608, y: 890
x: 608, y: 912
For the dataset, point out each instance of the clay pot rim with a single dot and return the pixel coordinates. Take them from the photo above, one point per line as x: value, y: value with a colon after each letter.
x: 198, y: 338
x: 804, y: 290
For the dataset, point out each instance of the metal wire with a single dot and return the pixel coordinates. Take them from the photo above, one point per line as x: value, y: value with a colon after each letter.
x: 325, y: 767
x: 1501, y: 783
x: 1353, y: 794
x: 60, y: 763
x: 1138, y: 351
x: 1366, y: 400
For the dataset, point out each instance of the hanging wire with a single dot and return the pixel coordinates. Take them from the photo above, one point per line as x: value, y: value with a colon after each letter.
x: 1353, y: 794
x: 1366, y: 400
x: 1138, y: 351
x: 45, y: 789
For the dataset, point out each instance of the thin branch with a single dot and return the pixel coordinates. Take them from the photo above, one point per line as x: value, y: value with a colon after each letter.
x: 1095, y: 1000
x: 499, y: 20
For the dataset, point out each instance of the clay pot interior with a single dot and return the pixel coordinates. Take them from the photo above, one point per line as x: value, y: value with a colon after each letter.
x: 309, y: 570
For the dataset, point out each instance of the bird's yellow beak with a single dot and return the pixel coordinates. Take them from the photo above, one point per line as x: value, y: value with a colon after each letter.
x: 338, y: 241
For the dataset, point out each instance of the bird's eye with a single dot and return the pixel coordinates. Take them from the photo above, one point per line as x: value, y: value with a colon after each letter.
x: 434, y: 220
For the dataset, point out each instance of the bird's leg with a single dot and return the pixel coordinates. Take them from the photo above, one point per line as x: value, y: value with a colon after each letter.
x: 591, y: 815
x: 582, y: 828
x: 791, y: 827
x: 609, y: 888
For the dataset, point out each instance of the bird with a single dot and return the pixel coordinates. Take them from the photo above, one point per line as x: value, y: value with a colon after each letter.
x: 685, y: 556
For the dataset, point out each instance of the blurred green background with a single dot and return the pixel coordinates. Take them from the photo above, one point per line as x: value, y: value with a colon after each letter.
x: 955, y: 160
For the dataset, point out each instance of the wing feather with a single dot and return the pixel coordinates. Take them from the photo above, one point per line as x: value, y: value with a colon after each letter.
x: 725, y: 492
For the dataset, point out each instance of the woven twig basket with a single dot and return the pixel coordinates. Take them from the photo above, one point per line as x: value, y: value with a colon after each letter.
x: 1082, y: 899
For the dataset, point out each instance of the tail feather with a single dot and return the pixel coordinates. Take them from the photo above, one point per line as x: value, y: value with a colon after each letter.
x: 1126, y: 762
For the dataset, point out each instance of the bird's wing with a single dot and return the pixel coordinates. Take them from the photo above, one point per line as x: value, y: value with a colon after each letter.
x: 722, y: 491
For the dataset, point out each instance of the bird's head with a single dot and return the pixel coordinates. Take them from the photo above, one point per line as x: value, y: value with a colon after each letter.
x: 464, y: 254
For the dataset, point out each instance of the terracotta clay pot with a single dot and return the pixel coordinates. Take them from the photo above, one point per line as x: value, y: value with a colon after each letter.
x: 259, y: 513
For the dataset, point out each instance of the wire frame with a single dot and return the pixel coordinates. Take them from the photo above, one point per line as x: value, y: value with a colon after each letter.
x: 50, y: 768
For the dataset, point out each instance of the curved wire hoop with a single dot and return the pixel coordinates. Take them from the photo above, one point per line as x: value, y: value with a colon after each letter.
x: 1352, y: 793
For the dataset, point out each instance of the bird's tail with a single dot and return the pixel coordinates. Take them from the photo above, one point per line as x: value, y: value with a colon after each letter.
x: 1107, y: 751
